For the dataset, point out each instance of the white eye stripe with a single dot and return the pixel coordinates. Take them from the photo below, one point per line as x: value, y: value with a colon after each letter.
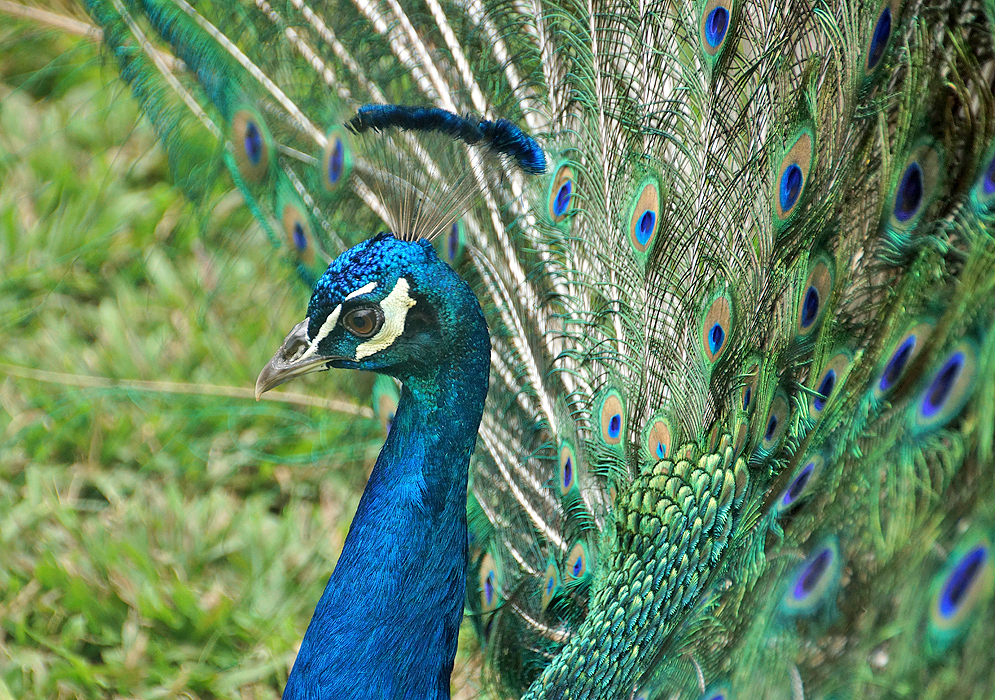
x: 395, y: 310
x: 326, y: 328
x: 362, y: 290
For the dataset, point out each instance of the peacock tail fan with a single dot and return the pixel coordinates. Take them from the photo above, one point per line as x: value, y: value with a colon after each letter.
x: 739, y: 435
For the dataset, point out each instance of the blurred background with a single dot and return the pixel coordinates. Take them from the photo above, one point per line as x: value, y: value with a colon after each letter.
x: 162, y: 535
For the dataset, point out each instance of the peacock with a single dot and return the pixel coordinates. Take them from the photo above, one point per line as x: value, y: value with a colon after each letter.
x: 682, y: 319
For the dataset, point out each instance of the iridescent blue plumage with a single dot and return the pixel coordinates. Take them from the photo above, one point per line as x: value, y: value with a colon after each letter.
x: 387, y: 623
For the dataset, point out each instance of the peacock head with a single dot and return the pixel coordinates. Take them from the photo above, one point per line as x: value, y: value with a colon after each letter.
x: 386, y: 305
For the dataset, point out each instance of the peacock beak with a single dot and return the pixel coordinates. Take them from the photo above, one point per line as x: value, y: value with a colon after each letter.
x: 296, y: 357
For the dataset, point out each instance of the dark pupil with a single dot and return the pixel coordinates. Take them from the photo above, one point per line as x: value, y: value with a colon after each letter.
x: 362, y: 321
x: 812, y: 574
x: 715, y: 26
x: 300, y: 240
x: 253, y: 143
x: 771, y: 427
x: 615, y: 425
x: 335, y: 162
x: 826, y: 388
x: 645, y: 226
x: 549, y: 585
x: 562, y: 199
x: 568, y: 470
x: 799, y: 483
x: 941, y: 386
x: 897, y: 363
x: 453, y: 240
x: 882, y: 30
x: 716, y: 337
x: 909, y: 193
x: 960, y: 581
x: 489, y: 589
x: 990, y: 177
x: 747, y: 394
x: 578, y: 565
x: 810, y: 307
x: 791, y: 186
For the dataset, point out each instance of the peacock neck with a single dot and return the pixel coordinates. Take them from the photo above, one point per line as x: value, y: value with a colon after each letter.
x: 387, y: 623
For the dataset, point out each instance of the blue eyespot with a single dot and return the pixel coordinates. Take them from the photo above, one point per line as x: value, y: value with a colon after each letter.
x: 300, y: 239
x: 812, y: 574
x: 771, y: 428
x: 896, y: 365
x: 562, y: 201
x: 879, y: 40
x: 716, y: 337
x: 716, y: 25
x: 253, y: 143
x: 645, y: 226
x: 825, y: 388
x: 453, y: 243
x: 909, y: 195
x: 661, y: 450
x: 798, y: 485
x: 336, y: 162
x: 489, y: 588
x: 810, y: 307
x: 577, y: 567
x: 961, y: 580
x: 747, y: 395
x: 944, y: 381
x: 615, y: 426
x: 576, y: 564
x: 568, y: 474
x: 813, y: 584
x: 988, y: 185
x: 791, y: 186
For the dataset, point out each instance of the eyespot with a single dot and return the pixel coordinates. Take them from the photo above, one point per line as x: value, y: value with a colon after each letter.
x: 714, y: 26
x: 489, y: 584
x: 983, y: 193
x: 577, y: 563
x: 900, y: 358
x: 612, y: 416
x: 568, y: 467
x: 776, y: 424
x: 550, y: 585
x: 792, y: 175
x: 336, y: 159
x: 879, y: 39
x: 964, y: 584
x: 813, y: 584
x: 915, y: 187
x: 643, y: 217
x: 250, y: 145
x: 297, y: 230
x: 948, y: 388
x: 749, y: 390
x: 657, y: 439
x: 827, y: 381
x: 363, y: 321
x: 802, y: 484
x: 817, y: 289
x: 561, y: 194
x: 454, y: 241
x: 716, y: 327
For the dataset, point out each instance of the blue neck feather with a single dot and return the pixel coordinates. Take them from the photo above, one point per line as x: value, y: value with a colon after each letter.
x: 387, y: 623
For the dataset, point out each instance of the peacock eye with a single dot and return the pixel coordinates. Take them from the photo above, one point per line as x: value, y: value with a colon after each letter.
x: 363, y: 321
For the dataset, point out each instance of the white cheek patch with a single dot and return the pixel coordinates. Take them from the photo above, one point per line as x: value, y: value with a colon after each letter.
x: 362, y: 290
x: 395, y: 310
x: 325, y: 329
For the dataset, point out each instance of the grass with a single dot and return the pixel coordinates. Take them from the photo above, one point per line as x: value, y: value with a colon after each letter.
x: 162, y: 535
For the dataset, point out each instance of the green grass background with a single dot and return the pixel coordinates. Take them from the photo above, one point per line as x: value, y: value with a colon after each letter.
x: 162, y: 535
